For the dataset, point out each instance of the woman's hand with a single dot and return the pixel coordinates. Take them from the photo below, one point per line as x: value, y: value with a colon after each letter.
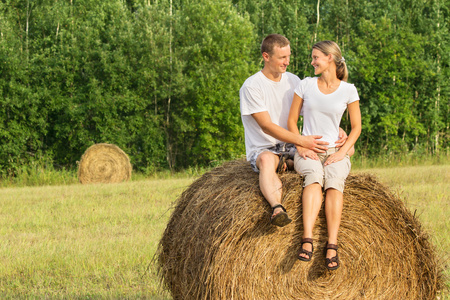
x: 335, y: 157
x: 303, y: 152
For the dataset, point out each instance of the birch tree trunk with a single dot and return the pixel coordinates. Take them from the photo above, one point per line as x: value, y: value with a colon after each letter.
x: 318, y: 19
x: 438, y: 89
x: 170, y: 157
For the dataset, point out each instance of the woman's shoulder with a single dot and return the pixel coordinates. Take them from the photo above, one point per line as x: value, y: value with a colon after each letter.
x: 347, y: 84
x: 350, y: 90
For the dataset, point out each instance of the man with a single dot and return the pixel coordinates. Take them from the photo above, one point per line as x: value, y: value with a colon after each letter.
x: 265, y: 101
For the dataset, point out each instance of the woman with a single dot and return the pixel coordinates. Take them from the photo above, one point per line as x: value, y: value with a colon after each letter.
x: 322, y: 102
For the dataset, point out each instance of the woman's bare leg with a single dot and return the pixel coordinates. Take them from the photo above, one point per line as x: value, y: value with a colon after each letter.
x: 311, y: 201
x: 334, y: 202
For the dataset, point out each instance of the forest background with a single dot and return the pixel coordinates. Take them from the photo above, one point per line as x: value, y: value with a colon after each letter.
x: 160, y: 79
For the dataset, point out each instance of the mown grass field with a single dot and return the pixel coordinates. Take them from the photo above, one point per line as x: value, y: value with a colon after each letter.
x: 97, y: 241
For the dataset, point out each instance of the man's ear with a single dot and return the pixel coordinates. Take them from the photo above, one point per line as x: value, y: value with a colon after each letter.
x: 265, y: 56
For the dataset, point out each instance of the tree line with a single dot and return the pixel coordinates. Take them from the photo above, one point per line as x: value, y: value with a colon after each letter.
x: 160, y: 78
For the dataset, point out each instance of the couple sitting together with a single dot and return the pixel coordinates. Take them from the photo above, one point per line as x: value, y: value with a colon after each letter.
x: 271, y: 102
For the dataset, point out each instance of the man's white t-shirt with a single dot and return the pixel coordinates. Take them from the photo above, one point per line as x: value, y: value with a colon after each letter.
x: 258, y: 94
x: 322, y: 113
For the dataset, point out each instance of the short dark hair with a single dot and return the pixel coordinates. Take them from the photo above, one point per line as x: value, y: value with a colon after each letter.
x: 273, y: 40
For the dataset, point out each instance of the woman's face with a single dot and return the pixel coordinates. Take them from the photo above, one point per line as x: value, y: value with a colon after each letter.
x: 320, y: 61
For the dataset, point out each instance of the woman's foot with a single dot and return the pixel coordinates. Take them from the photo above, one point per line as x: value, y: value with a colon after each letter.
x: 332, y: 259
x: 307, y: 250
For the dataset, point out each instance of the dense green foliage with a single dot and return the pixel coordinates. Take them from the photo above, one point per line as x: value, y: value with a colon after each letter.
x: 160, y: 79
x: 398, y: 58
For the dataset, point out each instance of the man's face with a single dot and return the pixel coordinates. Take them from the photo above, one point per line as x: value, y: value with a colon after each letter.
x: 279, y: 60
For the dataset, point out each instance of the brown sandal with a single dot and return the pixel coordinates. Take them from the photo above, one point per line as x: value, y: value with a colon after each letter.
x: 304, y: 251
x: 280, y: 219
x: 333, y: 259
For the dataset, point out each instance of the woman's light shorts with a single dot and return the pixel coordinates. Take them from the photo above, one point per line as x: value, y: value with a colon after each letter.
x: 332, y: 176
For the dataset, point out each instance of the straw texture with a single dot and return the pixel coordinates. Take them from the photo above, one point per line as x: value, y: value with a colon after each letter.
x: 104, y: 163
x: 219, y: 244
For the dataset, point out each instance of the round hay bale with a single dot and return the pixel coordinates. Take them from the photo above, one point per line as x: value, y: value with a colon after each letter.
x: 219, y: 244
x: 104, y: 163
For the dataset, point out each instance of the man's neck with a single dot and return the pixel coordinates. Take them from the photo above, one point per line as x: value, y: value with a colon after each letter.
x: 271, y: 75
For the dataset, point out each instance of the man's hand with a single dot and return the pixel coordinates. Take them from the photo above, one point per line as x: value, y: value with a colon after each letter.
x: 312, y: 142
x: 268, y: 127
x: 342, y: 138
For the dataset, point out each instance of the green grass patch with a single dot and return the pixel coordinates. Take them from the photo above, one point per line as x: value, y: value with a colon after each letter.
x: 84, y: 241
x: 390, y: 160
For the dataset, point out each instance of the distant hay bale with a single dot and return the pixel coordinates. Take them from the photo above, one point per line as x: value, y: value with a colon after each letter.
x: 104, y: 163
x: 219, y: 244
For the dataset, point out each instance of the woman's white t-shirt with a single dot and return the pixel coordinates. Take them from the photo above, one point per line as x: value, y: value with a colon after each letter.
x: 322, y: 113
